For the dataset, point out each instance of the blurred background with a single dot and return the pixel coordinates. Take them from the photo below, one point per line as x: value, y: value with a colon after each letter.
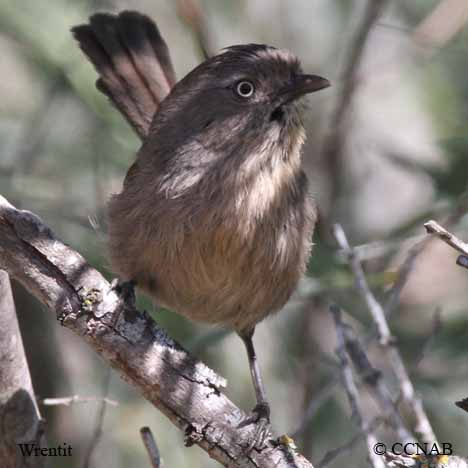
x: 387, y: 149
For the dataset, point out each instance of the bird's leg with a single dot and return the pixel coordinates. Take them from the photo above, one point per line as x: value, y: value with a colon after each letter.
x: 261, y: 412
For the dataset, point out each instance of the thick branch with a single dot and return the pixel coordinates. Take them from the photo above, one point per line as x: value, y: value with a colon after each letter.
x: 180, y: 386
x: 20, y: 421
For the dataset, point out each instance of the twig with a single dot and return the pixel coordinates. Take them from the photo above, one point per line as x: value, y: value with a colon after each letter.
x: 67, y: 401
x: 192, y: 13
x: 179, y: 385
x: 374, y: 381
x: 331, y: 455
x: 434, y: 461
x: 314, y: 404
x: 444, y: 22
x: 435, y: 330
x: 375, y: 309
x: 99, y: 423
x: 376, y: 249
x: 151, y: 447
x: 462, y: 404
x: 404, y: 272
x: 433, y: 227
x: 351, y: 390
x: 334, y: 144
x: 423, y: 426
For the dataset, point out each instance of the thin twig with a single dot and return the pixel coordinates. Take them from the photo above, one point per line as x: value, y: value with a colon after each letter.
x: 99, y: 423
x: 151, y: 447
x: 375, y: 309
x: 351, y: 389
x: 331, y: 455
x: 314, y: 404
x: 404, y: 272
x: 335, y: 142
x: 374, y: 382
x: 377, y: 249
x: 435, y: 330
x: 192, y: 13
x: 444, y: 22
x: 407, y: 391
x: 67, y: 401
x: 433, y: 227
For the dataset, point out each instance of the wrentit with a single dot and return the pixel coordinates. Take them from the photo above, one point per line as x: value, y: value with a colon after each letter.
x: 214, y: 220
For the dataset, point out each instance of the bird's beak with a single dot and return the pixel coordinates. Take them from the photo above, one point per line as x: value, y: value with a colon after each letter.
x: 302, y: 84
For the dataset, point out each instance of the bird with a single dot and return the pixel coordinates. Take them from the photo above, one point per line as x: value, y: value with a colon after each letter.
x: 214, y: 220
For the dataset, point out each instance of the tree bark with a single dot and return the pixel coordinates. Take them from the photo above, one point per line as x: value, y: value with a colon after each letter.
x: 20, y: 421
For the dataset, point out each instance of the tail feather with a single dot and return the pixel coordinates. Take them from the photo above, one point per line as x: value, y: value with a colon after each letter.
x: 133, y: 62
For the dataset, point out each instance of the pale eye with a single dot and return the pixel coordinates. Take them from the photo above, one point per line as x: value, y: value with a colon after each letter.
x: 245, y: 89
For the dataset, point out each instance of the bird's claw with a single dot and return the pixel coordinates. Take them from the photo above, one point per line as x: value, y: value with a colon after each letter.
x: 260, y: 416
x: 126, y: 290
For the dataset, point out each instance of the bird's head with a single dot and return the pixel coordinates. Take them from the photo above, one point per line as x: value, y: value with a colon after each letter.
x: 240, y: 105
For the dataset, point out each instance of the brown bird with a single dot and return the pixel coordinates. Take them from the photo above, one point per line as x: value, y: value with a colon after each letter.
x: 214, y: 220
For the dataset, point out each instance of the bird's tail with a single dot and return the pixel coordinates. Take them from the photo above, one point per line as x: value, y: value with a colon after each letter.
x: 133, y: 62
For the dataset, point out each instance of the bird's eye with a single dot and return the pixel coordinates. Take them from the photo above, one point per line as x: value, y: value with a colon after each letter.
x: 245, y: 89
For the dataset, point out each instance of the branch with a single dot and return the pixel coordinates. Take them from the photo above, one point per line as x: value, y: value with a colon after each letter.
x: 393, y: 299
x: 433, y: 227
x: 20, y: 420
x: 375, y: 309
x: 192, y: 13
x: 335, y: 143
x: 372, y: 377
x: 175, y: 382
x: 408, y: 393
x: 352, y: 391
x: 98, y: 423
x: 67, y: 401
x: 444, y: 22
x: 151, y: 447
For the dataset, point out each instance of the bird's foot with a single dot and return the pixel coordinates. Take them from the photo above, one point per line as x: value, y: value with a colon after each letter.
x: 260, y: 416
x: 126, y: 290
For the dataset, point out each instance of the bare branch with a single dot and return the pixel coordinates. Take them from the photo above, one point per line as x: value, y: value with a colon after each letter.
x: 314, y: 404
x: 68, y: 401
x: 443, y: 23
x: 335, y: 142
x: 375, y: 309
x: 463, y: 404
x: 180, y: 386
x: 404, y: 272
x: 20, y: 420
x: 99, y: 423
x: 331, y: 455
x: 434, y: 461
x: 151, y: 447
x: 414, y: 403
x: 435, y: 330
x: 192, y: 13
x: 351, y: 390
x: 433, y: 227
x: 373, y: 379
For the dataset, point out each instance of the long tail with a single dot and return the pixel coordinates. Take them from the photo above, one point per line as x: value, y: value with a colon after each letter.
x: 133, y: 62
